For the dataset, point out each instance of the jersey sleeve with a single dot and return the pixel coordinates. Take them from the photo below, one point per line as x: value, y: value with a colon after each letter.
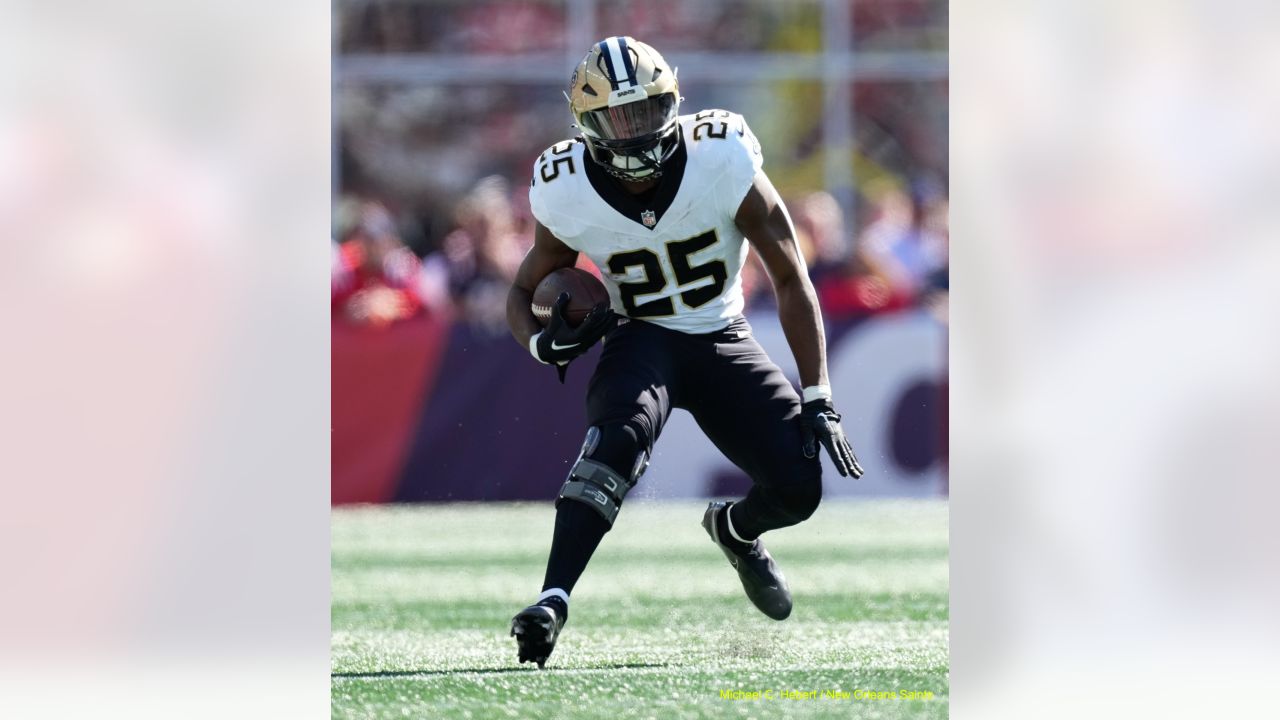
x: 551, y: 194
x: 538, y: 198
x: 743, y: 160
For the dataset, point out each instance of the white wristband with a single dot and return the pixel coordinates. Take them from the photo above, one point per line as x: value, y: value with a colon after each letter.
x: 533, y: 348
x: 816, y: 392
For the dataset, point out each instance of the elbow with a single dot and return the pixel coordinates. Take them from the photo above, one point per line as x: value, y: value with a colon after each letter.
x: 517, y: 299
x: 793, y: 285
x: 518, y: 295
x: 786, y: 283
x: 797, y: 296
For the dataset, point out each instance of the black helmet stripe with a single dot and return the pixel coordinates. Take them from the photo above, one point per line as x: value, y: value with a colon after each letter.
x: 608, y: 61
x: 629, y: 66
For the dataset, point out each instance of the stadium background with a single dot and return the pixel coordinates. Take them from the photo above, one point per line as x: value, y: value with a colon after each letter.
x: 439, y: 111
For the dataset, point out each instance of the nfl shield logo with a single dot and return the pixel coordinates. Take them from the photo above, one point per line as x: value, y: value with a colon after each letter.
x: 648, y: 218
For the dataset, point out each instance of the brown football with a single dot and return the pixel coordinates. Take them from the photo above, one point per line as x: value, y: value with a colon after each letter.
x: 585, y: 292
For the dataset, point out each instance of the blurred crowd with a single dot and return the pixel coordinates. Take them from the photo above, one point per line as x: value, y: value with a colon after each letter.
x: 507, y: 27
x: 897, y: 259
x: 432, y: 214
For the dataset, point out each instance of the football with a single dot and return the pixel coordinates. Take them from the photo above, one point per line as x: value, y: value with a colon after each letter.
x: 585, y: 292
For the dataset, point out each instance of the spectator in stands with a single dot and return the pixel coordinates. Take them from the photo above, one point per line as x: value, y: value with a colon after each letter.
x: 820, y: 230
x: 907, y: 239
x: 480, y: 257
x: 860, y: 288
x: 937, y: 286
x: 374, y: 276
x: 819, y: 225
x: 900, y: 260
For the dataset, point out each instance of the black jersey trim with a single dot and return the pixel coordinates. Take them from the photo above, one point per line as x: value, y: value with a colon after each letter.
x: 658, y: 199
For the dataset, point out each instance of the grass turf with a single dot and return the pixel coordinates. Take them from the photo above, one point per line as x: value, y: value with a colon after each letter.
x: 659, y: 625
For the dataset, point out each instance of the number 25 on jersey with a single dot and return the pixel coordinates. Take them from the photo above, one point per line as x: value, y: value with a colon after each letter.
x: 655, y: 280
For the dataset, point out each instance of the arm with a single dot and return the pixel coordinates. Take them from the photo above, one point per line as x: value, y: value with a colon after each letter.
x: 547, y: 255
x: 763, y: 219
x: 559, y: 343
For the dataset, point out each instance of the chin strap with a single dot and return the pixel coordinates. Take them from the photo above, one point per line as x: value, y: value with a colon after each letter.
x: 624, y: 176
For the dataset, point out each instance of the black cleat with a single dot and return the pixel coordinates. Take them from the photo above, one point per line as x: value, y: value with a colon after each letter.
x: 765, y: 585
x: 536, y: 629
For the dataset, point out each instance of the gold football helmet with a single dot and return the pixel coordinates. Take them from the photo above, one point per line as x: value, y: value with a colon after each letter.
x: 625, y: 100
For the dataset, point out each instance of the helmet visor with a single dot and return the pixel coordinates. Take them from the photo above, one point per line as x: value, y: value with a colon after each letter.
x: 633, y: 120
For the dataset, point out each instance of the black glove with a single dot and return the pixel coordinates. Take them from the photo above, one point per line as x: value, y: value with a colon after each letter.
x: 560, y: 343
x: 818, y: 420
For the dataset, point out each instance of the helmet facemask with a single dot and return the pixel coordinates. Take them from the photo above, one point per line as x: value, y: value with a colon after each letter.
x: 633, y: 140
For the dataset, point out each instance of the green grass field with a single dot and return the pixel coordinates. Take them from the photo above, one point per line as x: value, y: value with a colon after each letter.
x: 659, y: 624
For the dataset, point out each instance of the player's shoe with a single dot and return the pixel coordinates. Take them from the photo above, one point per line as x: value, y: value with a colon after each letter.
x: 765, y: 585
x: 536, y: 629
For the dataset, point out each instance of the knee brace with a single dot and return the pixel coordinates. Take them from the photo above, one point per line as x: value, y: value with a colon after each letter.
x: 611, y: 461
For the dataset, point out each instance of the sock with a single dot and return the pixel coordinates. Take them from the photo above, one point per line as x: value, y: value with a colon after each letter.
x: 578, y: 532
x: 558, y: 600
x: 731, y: 539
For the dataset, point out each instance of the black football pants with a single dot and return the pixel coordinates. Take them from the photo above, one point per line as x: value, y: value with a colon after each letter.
x: 739, y: 398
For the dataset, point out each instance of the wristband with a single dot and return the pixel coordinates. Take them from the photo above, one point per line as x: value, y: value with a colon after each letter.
x: 816, y: 392
x: 533, y: 347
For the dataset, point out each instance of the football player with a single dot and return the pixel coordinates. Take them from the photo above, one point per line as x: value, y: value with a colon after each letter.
x: 665, y: 204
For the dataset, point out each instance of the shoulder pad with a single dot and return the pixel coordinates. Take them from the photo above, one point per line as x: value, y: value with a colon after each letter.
x: 556, y: 159
x: 722, y: 136
x: 554, y: 185
x: 721, y: 140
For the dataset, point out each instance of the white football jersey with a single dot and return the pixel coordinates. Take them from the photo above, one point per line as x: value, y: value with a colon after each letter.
x: 672, y: 256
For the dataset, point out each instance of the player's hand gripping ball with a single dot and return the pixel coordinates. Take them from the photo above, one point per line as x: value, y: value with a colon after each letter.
x: 585, y: 292
x: 578, y: 316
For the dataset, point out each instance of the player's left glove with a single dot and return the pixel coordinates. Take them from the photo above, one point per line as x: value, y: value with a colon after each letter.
x: 820, y: 423
x: 560, y: 342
